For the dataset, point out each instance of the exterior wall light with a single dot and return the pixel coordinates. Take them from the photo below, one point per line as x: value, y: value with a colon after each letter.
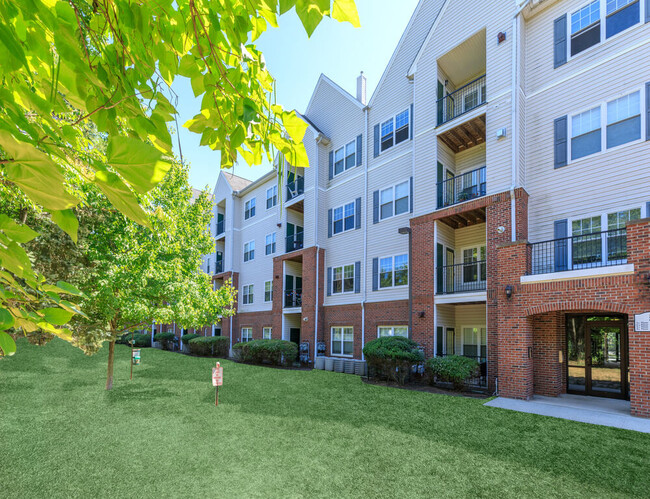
x: 509, y: 291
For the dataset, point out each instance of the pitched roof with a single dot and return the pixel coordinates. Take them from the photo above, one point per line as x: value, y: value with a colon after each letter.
x: 237, y: 183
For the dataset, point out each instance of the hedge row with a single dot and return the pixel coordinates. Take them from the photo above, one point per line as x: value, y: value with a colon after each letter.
x: 165, y: 339
x: 139, y: 340
x: 274, y: 352
x: 187, y: 337
x: 213, y: 346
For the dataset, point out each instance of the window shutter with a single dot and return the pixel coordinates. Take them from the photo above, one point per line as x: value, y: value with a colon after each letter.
x: 411, y: 194
x: 439, y: 265
x: 647, y: 210
x: 375, y: 274
x: 359, y: 149
x: 357, y: 214
x: 439, y: 184
x: 329, y: 222
x: 329, y: 281
x: 559, y: 41
x: 560, y: 228
x: 357, y: 277
x: 561, y: 145
x: 331, y: 165
x: 647, y: 93
x: 375, y: 207
x: 411, y: 122
x: 439, y: 337
x: 376, y: 140
x: 441, y: 91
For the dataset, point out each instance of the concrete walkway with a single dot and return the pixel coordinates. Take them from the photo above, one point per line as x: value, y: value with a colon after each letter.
x: 593, y: 410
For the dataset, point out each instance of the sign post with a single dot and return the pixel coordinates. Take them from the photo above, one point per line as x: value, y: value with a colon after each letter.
x: 217, y: 381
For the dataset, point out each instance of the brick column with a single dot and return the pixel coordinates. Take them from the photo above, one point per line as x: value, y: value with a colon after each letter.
x: 515, y: 330
x: 549, y: 356
x: 423, y: 284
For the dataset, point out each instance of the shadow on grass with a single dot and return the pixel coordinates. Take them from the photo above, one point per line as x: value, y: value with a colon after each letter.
x: 133, y: 392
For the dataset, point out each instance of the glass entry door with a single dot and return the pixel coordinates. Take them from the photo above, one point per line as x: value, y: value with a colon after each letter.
x: 597, y: 356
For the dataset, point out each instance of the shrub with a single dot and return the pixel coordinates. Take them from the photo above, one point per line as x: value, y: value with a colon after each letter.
x: 391, y: 357
x: 139, y: 340
x: 187, y: 337
x: 165, y: 339
x: 275, y: 352
x: 455, y: 369
x: 213, y: 346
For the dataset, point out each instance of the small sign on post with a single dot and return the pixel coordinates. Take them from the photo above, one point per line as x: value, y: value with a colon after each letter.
x: 136, y: 357
x: 642, y: 323
x: 217, y: 381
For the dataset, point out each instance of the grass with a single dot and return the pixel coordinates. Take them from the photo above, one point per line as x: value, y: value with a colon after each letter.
x: 279, y: 433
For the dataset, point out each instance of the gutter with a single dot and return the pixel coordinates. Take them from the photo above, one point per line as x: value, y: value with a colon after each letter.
x: 366, y: 109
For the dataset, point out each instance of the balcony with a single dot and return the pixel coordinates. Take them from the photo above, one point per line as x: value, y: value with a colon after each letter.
x: 221, y: 228
x: 295, y: 241
x: 462, y: 278
x: 218, y: 267
x: 586, y: 251
x: 293, y: 298
x: 295, y: 188
x: 470, y: 185
x: 461, y: 101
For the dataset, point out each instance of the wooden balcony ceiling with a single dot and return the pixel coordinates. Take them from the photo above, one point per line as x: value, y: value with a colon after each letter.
x: 466, y: 135
x: 465, y: 218
x: 297, y: 207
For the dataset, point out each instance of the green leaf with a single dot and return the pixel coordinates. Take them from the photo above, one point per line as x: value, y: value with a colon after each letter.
x: 346, y: 11
x: 6, y: 319
x: 14, y: 259
x: 294, y: 125
x: 7, y: 344
x: 56, y: 316
x: 138, y: 162
x: 69, y: 288
x: 16, y: 232
x: 119, y: 194
x: 67, y: 221
x: 311, y: 13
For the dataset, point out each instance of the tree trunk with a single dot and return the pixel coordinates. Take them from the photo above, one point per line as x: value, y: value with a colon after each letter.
x: 111, y: 357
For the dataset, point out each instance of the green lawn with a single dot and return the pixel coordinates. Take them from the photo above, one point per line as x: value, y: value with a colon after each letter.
x: 280, y: 433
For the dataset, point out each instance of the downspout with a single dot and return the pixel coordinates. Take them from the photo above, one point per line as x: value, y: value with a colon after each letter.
x: 412, y: 201
x: 316, y: 228
x: 365, y: 236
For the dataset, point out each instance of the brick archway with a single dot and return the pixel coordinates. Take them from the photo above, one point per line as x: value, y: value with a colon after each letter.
x: 577, y: 306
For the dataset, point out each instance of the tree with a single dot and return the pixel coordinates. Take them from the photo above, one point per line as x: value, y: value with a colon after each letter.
x: 111, y: 63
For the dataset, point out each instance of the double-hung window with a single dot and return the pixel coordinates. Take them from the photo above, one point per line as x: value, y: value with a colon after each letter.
x: 246, y: 334
x: 266, y: 333
x: 620, y: 15
x: 585, y: 133
x: 402, y: 127
x: 249, y: 251
x: 617, y: 236
x: 393, y: 331
x: 249, y: 209
x: 271, y: 197
x: 394, y: 200
x: 345, y: 157
x: 339, y: 161
x: 343, y: 218
x: 393, y: 271
x: 585, y: 27
x: 394, y: 130
x: 268, y: 291
x: 343, y: 279
x: 475, y: 343
x: 624, y: 119
x: 270, y: 244
x: 343, y: 341
x: 247, y: 294
x: 586, y: 247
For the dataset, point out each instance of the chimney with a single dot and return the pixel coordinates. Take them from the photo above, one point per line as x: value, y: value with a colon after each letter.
x: 361, y: 89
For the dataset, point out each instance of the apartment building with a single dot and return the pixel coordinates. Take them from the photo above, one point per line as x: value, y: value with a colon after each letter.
x: 491, y: 199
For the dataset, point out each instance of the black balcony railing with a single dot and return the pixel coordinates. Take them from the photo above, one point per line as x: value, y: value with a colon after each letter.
x: 462, y: 100
x: 295, y: 241
x: 293, y: 298
x: 480, y: 379
x: 295, y: 188
x: 220, y: 227
x: 462, y: 278
x: 587, y: 251
x: 470, y: 185
x: 218, y: 267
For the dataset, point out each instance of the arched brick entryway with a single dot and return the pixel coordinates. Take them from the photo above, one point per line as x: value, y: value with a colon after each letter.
x: 577, y: 306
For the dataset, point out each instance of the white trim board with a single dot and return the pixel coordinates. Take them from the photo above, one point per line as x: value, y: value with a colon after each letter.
x: 476, y: 296
x: 624, y: 269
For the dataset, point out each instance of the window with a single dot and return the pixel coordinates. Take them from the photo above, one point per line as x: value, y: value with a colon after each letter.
x: 475, y: 343
x: 393, y: 331
x: 249, y: 209
x: 621, y: 14
x: 270, y: 244
x: 247, y: 294
x: 624, y: 120
x: 393, y: 271
x: 266, y: 333
x: 343, y: 341
x: 246, y: 334
x: 339, y: 161
x: 585, y: 133
x: 585, y: 27
x: 395, y: 130
x: 343, y: 279
x: 268, y: 291
x: 394, y: 200
x: 343, y: 218
x: 617, y: 238
x: 586, y: 245
x: 271, y: 197
x: 350, y: 154
x: 249, y: 251
x: 474, y: 268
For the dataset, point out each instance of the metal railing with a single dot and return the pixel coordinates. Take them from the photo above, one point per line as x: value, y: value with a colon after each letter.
x: 462, y: 100
x: 295, y: 188
x: 218, y: 267
x: 293, y: 298
x: 295, y: 241
x: 462, y: 277
x: 470, y: 185
x: 480, y: 379
x: 587, y: 251
x: 220, y: 227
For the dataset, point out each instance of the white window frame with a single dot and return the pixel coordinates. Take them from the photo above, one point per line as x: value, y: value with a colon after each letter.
x: 603, y: 124
x: 342, y: 208
x: 248, y: 206
x: 273, y: 197
x: 354, y: 277
x: 271, y: 292
x: 248, y: 294
x: 266, y: 330
x: 393, y: 189
x: 603, y: 26
x: 392, y: 331
x: 344, y: 148
x: 478, y: 252
x: 249, y: 334
x: 273, y: 236
x: 479, y: 345
x: 393, y: 286
x: 393, y: 120
x: 247, y: 252
x: 342, y: 341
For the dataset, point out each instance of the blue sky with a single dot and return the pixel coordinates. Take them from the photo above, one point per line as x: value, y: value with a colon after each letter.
x: 335, y: 49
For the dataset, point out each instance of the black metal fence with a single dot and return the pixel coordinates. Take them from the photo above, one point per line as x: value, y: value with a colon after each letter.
x: 220, y: 227
x: 462, y: 277
x: 462, y: 188
x: 295, y: 188
x: 295, y: 241
x: 293, y: 298
x: 586, y: 251
x: 462, y: 100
